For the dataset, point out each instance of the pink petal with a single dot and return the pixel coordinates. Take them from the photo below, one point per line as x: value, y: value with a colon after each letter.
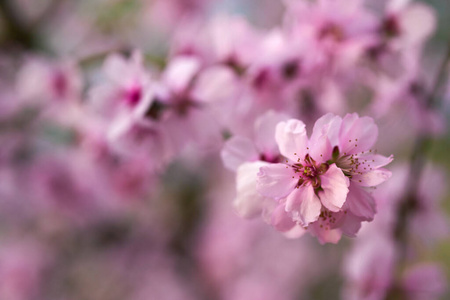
x: 208, y: 136
x: 238, y: 150
x: 116, y: 68
x: 372, y: 178
x: 325, y: 235
x: 328, y: 125
x: 210, y: 82
x: 418, y: 22
x: 295, y: 232
x: 276, y: 181
x: 122, y: 71
x: 335, y: 188
x: 351, y: 225
x: 281, y: 219
x: 374, y: 160
x: 321, y: 150
x: 425, y: 281
x: 291, y: 139
x: 180, y: 72
x: 357, y: 134
x: 361, y: 203
x: 248, y: 203
x: 265, y: 131
x: 304, y: 205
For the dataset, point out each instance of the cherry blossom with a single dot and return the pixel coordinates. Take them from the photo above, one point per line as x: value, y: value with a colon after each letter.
x: 321, y: 184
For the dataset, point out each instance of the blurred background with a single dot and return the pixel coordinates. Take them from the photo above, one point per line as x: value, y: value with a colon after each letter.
x: 81, y: 218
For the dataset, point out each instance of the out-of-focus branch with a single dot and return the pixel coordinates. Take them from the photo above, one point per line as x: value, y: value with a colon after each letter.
x: 440, y: 79
x: 17, y: 31
x: 50, y: 10
x: 418, y: 160
x: 418, y: 157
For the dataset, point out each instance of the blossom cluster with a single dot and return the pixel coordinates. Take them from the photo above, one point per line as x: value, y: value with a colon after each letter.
x: 318, y: 184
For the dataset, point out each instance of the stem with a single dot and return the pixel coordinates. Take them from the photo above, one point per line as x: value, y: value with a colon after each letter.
x: 16, y: 29
x: 439, y: 80
x: 410, y: 202
x: 418, y: 159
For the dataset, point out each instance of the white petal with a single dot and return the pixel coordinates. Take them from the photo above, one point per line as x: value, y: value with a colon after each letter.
x: 248, y: 202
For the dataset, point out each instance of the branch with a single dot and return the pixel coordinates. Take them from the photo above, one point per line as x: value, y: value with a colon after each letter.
x: 410, y: 202
x: 17, y: 31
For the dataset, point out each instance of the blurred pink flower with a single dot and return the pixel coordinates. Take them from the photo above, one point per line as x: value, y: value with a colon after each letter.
x: 187, y: 120
x: 239, y: 257
x: 126, y: 85
x: 339, y: 30
x: 425, y: 281
x: 49, y: 83
x: 427, y: 223
x: 246, y: 155
x: 369, y: 268
x: 22, y: 267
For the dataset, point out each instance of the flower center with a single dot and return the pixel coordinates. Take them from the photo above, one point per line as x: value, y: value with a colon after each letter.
x: 310, y: 171
x: 354, y: 164
x: 333, y: 32
x: 133, y: 95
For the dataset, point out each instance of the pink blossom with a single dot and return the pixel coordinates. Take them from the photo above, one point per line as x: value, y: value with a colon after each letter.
x: 424, y: 281
x: 238, y: 257
x: 40, y: 80
x: 187, y: 118
x: 127, y: 111
x: 234, y: 41
x: 402, y: 33
x: 166, y: 15
x: 427, y: 223
x: 321, y: 184
x: 369, y: 268
x: 246, y: 155
x: 22, y: 269
x: 261, y: 144
x: 126, y: 85
x: 339, y: 30
x: 411, y: 23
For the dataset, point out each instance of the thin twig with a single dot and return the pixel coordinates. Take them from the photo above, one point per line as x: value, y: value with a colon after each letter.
x: 17, y: 31
x: 410, y: 202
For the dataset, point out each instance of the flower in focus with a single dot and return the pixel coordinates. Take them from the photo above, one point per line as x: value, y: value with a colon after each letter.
x: 321, y: 185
